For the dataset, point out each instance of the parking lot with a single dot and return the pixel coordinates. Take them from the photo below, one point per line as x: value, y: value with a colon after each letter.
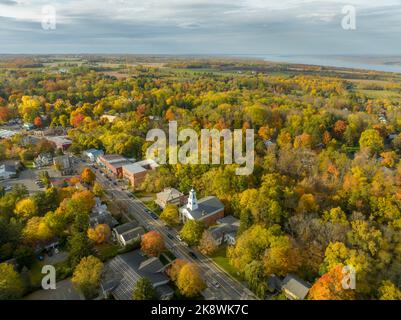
x: 28, y: 178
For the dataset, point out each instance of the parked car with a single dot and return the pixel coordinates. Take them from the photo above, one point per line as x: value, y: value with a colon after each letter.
x: 215, y: 284
x: 154, y: 216
x: 193, y: 255
x: 170, y: 236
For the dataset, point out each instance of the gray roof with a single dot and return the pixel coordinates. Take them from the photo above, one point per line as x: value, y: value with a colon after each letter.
x: 169, y: 194
x: 152, y: 265
x: 126, y: 227
x: 7, y: 168
x: 133, y: 234
x: 222, y: 229
x: 164, y: 290
x: 296, y: 286
x: 134, y: 168
x: 228, y: 220
x: 206, y: 206
x: 126, y: 268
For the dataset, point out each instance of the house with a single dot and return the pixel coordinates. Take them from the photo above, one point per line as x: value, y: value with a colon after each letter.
x: 294, y: 288
x: 63, y: 164
x: 101, y: 215
x: 113, y: 163
x: 172, y: 196
x: 123, y: 271
x: 7, y: 171
x: 136, y: 172
x: 43, y: 160
x: 108, y: 117
x: 28, y: 126
x: 93, y: 154
x: 5, y: 134
x: 225, y: 231
x: 61, y: 142
x: 207, y: 210
x: 128, y: 233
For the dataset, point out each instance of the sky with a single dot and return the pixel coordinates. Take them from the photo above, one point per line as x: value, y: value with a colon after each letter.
x: 249, y: 27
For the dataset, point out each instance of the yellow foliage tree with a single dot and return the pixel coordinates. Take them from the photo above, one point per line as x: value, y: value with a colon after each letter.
x: 189, y: 281
x: 100, y: 234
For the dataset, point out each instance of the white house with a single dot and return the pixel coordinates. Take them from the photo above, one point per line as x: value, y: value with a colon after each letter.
x: 7, y: 171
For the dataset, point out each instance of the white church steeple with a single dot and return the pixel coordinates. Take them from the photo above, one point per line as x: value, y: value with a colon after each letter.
x: 192, y: 201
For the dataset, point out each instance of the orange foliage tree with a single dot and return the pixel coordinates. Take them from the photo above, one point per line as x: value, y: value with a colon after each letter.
x: 330, y: 286
x: 152, y: 243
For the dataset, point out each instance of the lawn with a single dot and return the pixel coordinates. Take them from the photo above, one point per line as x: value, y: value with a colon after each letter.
x: 221, y: 259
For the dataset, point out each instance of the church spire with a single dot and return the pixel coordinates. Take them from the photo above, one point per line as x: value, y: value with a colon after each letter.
x: 192, y: 201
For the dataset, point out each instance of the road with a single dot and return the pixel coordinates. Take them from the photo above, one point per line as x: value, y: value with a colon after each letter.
x: 229, y: 288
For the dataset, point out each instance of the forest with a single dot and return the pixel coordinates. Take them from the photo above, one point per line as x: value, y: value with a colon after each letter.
x: 326, y: 187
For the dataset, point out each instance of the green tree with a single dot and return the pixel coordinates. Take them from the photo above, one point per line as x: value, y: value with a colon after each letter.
x: 371, y: 140
x: 86, y: 276
x: 170, y: 215
x: 192, y: 232
x: 143, y: 290
x: 11, y: 286
x: 79, y: 247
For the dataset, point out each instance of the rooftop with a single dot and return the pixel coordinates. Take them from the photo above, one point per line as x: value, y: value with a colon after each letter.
x: 206, y: 206
x: 295, y: 286
x: 127, y: 269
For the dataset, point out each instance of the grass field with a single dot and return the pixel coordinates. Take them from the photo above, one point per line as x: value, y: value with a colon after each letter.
x: 221, y: 259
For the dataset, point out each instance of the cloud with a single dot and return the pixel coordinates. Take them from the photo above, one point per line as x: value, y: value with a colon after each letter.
x: 201, y: 26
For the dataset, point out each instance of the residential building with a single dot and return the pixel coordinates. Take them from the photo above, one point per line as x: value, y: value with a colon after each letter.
x: 101, y: 215
x: 225, y: 231
x: 207, y: 210
x: 5, y: 134
x: 7, y: 171
x: 113, y: 163
x: 294, y: 288
x: 93, y: 154
x: 63, y: 164
x: 43, y: 160
x: 136, y: 172
x: 172, y: 196
x: 123, y: 271
x: 128, y: 233
x: 108, y: 117
x: 61, y: 142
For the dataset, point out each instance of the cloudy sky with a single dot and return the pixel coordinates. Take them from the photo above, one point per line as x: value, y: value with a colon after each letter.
x: 199, y: 27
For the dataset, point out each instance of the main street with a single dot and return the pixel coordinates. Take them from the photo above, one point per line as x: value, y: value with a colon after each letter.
x: 226, y: 288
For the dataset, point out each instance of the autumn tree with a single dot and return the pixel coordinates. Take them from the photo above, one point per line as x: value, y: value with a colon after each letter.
x: 100, y: 234
x: 189, y: 281
x: 11, y: 286
x: 152, y: 243
x: 389, y: 291
x: 88, y: 176
x: 36, y: 230
x: 282, y: 257
x: 330, y: 287
x: 143, y: 290
x: 174, y: 270
x: 86, y: 276
x: 207, y: 244
x: 170, y: 215
x: 26, y: 208
x: 98, y: 190
x: 371, y: 140
x: 192, y: 232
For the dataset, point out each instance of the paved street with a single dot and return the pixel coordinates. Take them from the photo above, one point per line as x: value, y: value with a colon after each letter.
x: 229, y: 287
